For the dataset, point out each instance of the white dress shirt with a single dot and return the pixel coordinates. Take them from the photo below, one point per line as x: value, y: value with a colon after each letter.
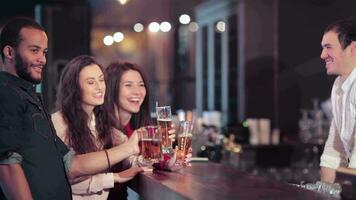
x: 339, y: 150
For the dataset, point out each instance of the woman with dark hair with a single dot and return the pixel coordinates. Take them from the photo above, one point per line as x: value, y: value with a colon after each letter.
x: 127, y: 104
x: 127, y: 98
x: 83, y: 125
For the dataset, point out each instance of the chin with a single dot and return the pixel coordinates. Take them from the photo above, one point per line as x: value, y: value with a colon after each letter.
x: 134, y: 111
x: 98, y: 103
x: 330, y: 72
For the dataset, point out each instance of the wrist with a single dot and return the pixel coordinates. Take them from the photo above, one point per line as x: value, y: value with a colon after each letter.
x: 127, y: 147
x: 116, y: 177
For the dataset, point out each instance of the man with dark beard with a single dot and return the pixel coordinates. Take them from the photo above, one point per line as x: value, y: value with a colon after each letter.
x: 34, y: 162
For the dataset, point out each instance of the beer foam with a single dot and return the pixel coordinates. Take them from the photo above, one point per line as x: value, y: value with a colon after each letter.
x: 164, y: 120
x: 150, y: 140
x: 185, y: 135
x: 146, y: 139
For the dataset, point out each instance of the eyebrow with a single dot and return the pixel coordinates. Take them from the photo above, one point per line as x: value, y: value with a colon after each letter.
x: 326, y: 45
x: 131, y: 82
x: 89, y: 78
x: 36, y: 46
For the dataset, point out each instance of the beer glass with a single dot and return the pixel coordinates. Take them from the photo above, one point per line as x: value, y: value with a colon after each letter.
x: 150, y: 145
x: 164, y: 122
x: 185, y: 135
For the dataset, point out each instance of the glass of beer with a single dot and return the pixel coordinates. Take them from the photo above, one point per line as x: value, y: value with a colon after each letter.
x: 164, y: 122
x: 185, y: 135
x: 150, y: 145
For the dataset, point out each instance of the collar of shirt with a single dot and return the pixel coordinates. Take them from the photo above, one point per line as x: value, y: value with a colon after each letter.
x: 348, y: 82
x: 26, y: 85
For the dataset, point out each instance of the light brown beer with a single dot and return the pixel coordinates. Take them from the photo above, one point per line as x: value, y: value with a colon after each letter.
x: 150, y: 148
x: 164, y: 125
x: 184, y: 144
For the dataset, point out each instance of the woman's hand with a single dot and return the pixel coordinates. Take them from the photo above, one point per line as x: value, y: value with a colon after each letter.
x: 173, y: 164
x: 133, y: 142
x: 127, y: 175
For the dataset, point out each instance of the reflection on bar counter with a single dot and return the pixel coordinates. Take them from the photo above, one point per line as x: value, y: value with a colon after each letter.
x: 260, y: 154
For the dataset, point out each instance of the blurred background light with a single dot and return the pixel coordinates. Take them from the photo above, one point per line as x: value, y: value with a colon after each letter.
x: 154, y: 27
x: 138, y: 27
x: 193, y: 27
x: 122, y: 2
x: 165, y: 26
x: 220, y: 26
x: 108, y: 40
x: 118, y: 37
x: 184, y: 19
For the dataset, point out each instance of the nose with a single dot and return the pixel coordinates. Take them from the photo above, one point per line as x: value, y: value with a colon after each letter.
x: 136, y: 90
x: 323, y: 54
x: 42, y: 59
x: 100, y: 85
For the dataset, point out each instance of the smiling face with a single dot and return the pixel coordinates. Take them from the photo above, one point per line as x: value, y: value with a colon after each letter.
x: 92, y: 85
x: 336, y: 59
x: 30, y: 55
x: 132, y: 92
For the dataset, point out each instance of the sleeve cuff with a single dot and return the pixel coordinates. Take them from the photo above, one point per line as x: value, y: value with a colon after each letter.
x: 67, y: 159
x: 14, y: 158
x: 330, y: 161
x: 352, y: 163
x: 101, y: 182
x: 108, y: 180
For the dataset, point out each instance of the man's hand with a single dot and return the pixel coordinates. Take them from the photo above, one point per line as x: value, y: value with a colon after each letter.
x: 172, y: 163
x: 327, y: 174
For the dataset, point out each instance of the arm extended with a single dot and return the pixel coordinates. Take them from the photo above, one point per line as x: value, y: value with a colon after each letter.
x: 13, y: 182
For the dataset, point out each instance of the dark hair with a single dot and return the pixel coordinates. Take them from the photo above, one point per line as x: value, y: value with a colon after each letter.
x: 10, y: 34
x: 114, y: 73
x: 346, y: 30
x: 69, y: 102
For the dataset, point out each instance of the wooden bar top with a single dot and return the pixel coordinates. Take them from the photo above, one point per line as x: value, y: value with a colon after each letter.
x: 214, y: 181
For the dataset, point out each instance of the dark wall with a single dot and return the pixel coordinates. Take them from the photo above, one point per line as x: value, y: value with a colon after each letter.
x: 68, y: 30
x: 260, y: 47
x: 302, y: 74
x: 67, y: 24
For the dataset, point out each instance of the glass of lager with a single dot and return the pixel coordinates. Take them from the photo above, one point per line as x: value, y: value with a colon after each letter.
x: 164, y: 122
x: 185, y: 135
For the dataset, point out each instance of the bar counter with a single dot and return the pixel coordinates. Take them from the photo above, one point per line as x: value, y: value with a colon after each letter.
x: 214, y: 181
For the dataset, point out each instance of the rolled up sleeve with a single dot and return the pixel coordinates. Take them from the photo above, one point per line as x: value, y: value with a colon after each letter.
x: 14, y: 158
x: 68, y: 159
x: 334, y: 154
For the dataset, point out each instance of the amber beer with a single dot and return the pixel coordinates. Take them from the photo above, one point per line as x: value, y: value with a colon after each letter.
x: 150, y: 148
x: 184, y: 144
x: 150, y: 144
x: 164, y: 125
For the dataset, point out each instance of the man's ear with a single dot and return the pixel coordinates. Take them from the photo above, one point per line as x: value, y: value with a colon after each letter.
x: 9, y: 52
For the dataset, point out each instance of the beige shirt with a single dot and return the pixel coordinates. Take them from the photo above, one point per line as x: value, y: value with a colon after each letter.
x: 95, y: 187
x: 339, y: 150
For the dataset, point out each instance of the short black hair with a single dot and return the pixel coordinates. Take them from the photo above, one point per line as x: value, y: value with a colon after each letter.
x: 346, y: 30
x: 10, y: 34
